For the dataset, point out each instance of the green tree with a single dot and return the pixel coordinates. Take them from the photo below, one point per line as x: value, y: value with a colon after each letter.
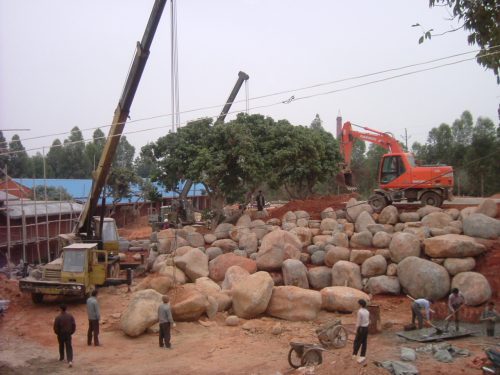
x: 317, y: 123
x: 37, y: 165
x: 124, y: 157
x: 145, y: 163
x: 440, y: 144
x: 481, y: 20
x: 93, y: 149
x: 53, y: 193
x: 19, y: 164
x: 75, y: 161
x: 55, y: 159
x: 4, y: 149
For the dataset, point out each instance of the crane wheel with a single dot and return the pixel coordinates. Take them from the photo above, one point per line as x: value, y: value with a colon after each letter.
x: 431, y: 198
x: 378, y: 202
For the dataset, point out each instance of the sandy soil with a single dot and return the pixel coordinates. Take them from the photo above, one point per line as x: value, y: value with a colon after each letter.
x: 29, y: 346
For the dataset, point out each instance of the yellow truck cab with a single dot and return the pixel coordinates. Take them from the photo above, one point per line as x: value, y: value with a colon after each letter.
x: 77, y: 272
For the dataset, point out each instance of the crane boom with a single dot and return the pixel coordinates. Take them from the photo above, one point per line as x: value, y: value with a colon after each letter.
x: 120, y: 117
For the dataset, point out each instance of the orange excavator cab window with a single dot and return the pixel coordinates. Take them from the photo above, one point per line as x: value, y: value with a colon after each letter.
x: 392, y: 168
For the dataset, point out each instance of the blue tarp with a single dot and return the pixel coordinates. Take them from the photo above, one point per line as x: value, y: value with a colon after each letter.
x: 79, y: 189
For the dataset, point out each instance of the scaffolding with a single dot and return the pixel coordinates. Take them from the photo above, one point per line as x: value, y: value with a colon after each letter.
x: 31, y: 224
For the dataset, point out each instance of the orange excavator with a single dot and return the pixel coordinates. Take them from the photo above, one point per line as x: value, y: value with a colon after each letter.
x: 399, y: 177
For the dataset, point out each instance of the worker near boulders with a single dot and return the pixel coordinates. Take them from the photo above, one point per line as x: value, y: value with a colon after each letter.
x: 94, y: 316
x: 64, y: 327
x: 362, y: 323
x: 489, y: 317
x: 165, y: 319
x: 455, y: 301
x: 261, y: 201
x: 416, y: 311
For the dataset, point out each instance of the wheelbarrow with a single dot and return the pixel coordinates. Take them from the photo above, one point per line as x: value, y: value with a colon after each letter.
x: 302, y: 354
x: 332, y: 335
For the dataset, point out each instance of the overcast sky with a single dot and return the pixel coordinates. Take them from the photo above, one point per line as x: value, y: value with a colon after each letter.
x: 63, y: 63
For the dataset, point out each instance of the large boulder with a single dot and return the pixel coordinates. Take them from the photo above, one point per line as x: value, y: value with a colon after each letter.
x: 322, y: 239
x: 295, y: 273
x: 457, y: 265
x: 487, y: 207
x: 223, y: 230
x: 374, y: 266
x: 466, y: 212
x: 328, y: 212
x: 359, y: 256
x: 340, y: 239
x: 289, y: 217
x: 354, y: 209
x: 335, y: 253
x: 409, y: 217
x: 260, y: 228
x: 452, y: 246
x: 188, y: 303
x: 426, y: 210
x: 210, y: 238
x: 234, y: 275
x: 194, y: 263
x: 276, y: 247
x: 346, y: 274
x: 383, y: 285
x: 422, y: 278
x: 389, y: 215
x: 218, y: 266
x: 363, y: 220
x: 303, y: 234
x: 328, y: 225
x: 381, y: 240
x: 319, y: 277
x: 141, y: 312
x: 213, y: 252
x: 249, y: 242
x: 226, y: 245
x: 404, y: 245
x: 211, y: 289
x: 474, y: 286
x: 195, y: 239
x: 252, y: 294
x: 176, y: 274
x: 342, y: 298
x: 437, y: 220
x: 361, y: 240
x: 480, y: 225
x: 294, y: 303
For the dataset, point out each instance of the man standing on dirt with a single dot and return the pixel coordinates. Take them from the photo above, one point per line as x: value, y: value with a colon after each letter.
x: 94, y: 316
x: 416, y: 312
x: 261, y: 201
x: 362, y: 323
x: 64, y: 327
x: 455, y: 301
x: 165, y: 319
x: 489, y: 317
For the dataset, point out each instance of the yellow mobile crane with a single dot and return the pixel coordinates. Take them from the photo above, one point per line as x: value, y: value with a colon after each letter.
x: 89, y: 261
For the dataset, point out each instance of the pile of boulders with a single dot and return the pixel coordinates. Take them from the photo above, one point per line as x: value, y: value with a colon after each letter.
x: 293, y: 267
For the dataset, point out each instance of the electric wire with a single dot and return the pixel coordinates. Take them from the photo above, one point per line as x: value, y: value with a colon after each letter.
x: 272, y: 94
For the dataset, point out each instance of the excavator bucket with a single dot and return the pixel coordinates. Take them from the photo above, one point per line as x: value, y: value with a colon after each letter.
x: 345, y: 179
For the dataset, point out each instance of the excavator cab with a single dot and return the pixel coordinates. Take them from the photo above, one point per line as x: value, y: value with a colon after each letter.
x: 392, y: 167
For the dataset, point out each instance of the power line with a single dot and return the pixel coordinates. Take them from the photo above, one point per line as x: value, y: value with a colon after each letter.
x: 290, y: 100
x: 272, y: 94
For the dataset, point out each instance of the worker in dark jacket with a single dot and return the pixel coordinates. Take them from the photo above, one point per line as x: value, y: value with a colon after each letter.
x: 64, y: 327
x: 94, y: 316
x: 165, y: 319
x: 261, y: 201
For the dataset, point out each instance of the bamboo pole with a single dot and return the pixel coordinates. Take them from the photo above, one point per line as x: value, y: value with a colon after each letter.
x: 7, y: 210
x: 46, y: 208
x: 36, y: 224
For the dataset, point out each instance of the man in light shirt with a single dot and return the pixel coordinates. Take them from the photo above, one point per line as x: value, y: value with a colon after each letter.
x: 362, y: 323
x: 455, y: 301
x: 416, y: 311
x: 165, y: 319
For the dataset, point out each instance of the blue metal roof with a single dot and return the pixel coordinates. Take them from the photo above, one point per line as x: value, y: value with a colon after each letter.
x: 79, y: 189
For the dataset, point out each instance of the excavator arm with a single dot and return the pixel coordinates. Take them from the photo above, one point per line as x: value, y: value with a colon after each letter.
x: 120, y: 118
x: 348, y: 135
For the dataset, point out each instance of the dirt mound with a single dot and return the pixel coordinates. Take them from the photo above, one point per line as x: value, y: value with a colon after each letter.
x: 314, y: 205
x: 137, y: 229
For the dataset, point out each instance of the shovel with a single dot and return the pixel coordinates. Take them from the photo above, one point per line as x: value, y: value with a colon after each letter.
x: 447, y: 319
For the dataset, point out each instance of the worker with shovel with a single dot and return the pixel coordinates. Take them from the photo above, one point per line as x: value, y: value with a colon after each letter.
x: 416, y: 311
x: 455, y: 302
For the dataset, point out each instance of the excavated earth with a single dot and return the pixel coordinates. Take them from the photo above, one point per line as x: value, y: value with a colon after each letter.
x: 259, y: 346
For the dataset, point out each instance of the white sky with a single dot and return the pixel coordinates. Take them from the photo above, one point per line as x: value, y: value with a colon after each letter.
x: 63, y: 63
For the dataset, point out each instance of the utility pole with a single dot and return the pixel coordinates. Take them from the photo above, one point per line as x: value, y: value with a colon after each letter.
x: 406, y: 138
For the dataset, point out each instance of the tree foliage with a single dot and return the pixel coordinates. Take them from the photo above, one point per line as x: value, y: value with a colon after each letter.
x: 481, y: 19
x: 51, y: 193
